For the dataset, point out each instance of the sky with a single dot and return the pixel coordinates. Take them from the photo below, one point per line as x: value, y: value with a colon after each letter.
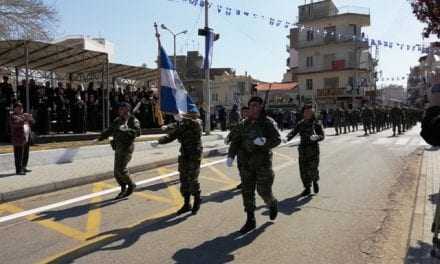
x: 246, y: 44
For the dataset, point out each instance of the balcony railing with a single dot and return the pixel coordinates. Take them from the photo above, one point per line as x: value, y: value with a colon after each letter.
x: 317, y: 42
x: 353, y: 10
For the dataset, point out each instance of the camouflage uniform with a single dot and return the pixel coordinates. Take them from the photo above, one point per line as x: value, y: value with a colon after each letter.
x: 366, y: 115
x: 338, y: 120
x: 396, y: 119
x: 256, y: 161
x: 308, y: 150
x: 123, y: 145
x: 189, y: 133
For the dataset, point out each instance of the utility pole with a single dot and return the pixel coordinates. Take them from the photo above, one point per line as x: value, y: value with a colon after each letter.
x: 207, y: 73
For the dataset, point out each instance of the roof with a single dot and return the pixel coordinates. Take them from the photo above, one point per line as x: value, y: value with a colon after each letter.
x: 287, y: 86
x: 66, y: 60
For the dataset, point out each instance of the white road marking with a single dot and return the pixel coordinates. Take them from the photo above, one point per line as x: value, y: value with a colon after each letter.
x: 92, y: 195
x: 383, y: 141
x: 105, y: 192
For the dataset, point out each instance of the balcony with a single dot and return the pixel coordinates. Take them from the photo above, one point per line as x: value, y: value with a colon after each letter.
x: 336, y: 65
x: 333, y: 40
x: 335, y: 92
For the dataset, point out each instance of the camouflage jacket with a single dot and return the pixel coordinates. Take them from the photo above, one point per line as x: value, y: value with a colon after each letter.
x: 242, y: 140
x: 123, y: 137
x: 307, y: 128
x: 189, y: 133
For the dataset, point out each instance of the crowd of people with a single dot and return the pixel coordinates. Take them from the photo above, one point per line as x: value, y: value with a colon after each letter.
x: 67, y: 109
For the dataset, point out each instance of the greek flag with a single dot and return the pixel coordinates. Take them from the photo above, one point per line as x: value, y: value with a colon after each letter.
x: 209, y: 47
x: 174, y: 99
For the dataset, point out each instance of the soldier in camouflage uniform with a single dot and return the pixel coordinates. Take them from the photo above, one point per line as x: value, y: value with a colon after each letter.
x: 255, y: 138
x: 124, y: 130
x: 396, y: 119
x: 366, y: 116
x: 311, y: 133
x: 338, y: 121
x: 188, y: 132
x: 234, y: 152
x: 355, y: 119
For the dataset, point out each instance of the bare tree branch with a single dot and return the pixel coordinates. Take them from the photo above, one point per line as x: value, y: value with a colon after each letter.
x: 26, y: 19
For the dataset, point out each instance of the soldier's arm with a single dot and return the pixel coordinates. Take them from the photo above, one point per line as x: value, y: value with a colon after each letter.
x: 171, y: 136
x: 135, y: 129
x: 293, y: 133
x: 234, y: 139
x: 273, y: 138
x: 107, y: 133
x: 320, y: 132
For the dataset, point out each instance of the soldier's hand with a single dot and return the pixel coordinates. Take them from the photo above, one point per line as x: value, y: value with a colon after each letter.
x: 164, y: 128
x: 314, y: 137
x: 229, y: 162
x: 154, y: 144
x: 260, y: 141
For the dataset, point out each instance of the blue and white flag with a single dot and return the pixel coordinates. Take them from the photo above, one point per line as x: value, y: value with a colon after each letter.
x: 209, y: 47
x: 174, y: 99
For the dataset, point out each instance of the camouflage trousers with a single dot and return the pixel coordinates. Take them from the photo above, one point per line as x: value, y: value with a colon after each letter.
x: 121, y: 173
x: 259, y: 177
x: 396, y: 124
x: 189, y: 170
x: 308, y: 164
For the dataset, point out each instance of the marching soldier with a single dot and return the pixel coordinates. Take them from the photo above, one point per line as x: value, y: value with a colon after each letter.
x: 124, y: 130
x: 311, y: 133
x: 234, y: 152
x: 396, y: 117
x: 366, y: 115
x: 338, y: 120
x: 256, y: 137
x: 188, y: 132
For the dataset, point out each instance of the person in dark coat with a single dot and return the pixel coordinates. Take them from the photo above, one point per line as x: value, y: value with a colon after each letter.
x: 20, y: 124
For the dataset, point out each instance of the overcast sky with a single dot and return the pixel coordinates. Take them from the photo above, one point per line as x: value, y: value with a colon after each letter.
x: 246, y: 44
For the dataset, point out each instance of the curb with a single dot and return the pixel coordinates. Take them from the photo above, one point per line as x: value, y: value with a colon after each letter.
x: 56, y: 186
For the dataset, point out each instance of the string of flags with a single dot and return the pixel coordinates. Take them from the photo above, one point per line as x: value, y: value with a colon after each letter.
x: 324, y: 32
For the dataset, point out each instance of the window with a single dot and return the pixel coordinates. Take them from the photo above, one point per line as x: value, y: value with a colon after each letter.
x: 309, y: 62
x: 354, y: 29
x: 309, y: 35
x: 331, y: 33
x: 309, y: 84
x: 331, y: 83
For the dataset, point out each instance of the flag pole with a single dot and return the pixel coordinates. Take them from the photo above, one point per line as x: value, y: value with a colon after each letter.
x: 158, y: 60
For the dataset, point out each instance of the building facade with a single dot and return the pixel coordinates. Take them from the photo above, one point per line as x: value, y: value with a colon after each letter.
x: 423, y: 76
x: 334, y: 65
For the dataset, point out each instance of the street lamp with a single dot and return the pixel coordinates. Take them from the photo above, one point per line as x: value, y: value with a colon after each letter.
x: 174, y: 36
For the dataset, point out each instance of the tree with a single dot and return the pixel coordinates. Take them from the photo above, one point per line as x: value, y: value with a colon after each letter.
x: 428, y: 11
x: 26, y: 19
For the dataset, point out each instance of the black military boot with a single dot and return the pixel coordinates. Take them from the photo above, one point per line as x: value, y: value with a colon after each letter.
x: 306, y: 192
x: 197, y: 202
x: 250, y: 224
x: 122, y: 193
x: 315, y: 187
x: 186, y: 206
x: 273, y: 210
x: 130, y: 189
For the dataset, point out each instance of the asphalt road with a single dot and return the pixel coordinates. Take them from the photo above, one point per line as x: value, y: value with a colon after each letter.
x: 362, y: 215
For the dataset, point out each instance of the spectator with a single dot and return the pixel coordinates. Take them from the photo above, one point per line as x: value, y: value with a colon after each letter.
x: 61, y: 106
x: 20, y: 123
x: 6, y: 98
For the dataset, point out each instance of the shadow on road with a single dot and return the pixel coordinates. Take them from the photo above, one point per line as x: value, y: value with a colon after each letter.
x: 7, y: 175
x: 219, y: 250
x: 292, y: 205
x: 76, y: 211
x: 420, y: 254
x: 158, y: 186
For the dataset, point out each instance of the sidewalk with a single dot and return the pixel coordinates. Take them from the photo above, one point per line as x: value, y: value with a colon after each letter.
x: 74, y: 167
x: 427, y: 197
